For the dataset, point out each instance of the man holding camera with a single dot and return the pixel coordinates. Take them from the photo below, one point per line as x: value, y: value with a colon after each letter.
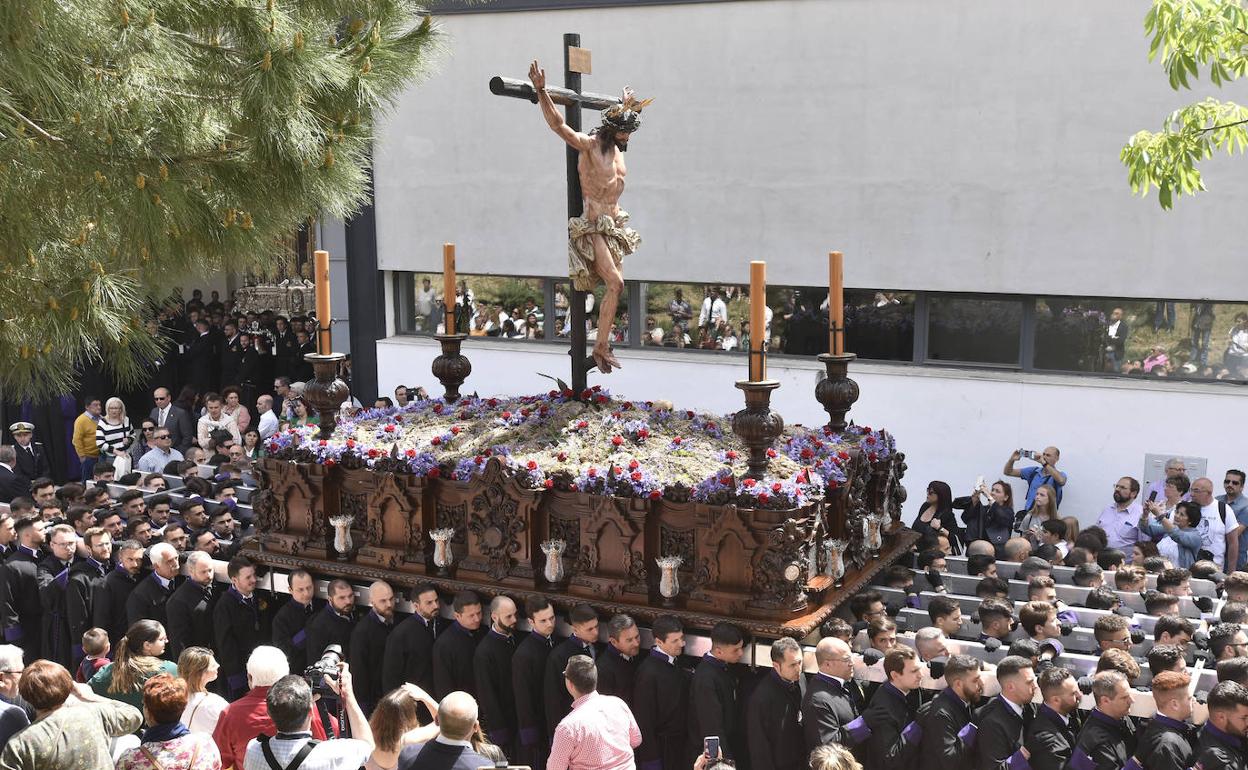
x: 1036, y: 477
x: 289, y: 703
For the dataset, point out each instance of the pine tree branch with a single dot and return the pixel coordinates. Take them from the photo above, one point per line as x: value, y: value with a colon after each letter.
x: 30, y: 123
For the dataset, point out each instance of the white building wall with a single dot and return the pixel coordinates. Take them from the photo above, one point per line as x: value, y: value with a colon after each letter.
x: 958, y: 145
x: 953, y: 424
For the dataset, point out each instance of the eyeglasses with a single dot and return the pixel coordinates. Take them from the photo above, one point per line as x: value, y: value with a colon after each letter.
x: 1233, y: 482
x: 149, y: 427
x: 161, y: 437
x: 162, y: 398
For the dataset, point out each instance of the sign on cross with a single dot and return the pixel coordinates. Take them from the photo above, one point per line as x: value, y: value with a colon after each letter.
x: 576, y: 62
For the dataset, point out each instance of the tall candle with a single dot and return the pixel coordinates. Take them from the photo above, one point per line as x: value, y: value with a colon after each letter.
x: 324, y: 341
x: 836, y: 302
x: 758, y: 320
x: 448, y: 289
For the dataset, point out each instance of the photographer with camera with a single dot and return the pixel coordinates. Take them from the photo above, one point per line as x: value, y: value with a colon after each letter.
x: 1036, y: 477
x: 289, y: 703
x: 988, y: 513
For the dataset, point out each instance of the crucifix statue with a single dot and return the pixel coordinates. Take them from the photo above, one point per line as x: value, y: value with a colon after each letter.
x: 598, y: 233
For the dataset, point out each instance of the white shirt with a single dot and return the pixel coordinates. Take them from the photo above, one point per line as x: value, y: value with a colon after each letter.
x: 207, y: 425
x: 202, y: 711
x: 424, y: 301
x: 1213, y: 529
x: 268, y: 425
x: 719, y: 312
x: 338, y: 754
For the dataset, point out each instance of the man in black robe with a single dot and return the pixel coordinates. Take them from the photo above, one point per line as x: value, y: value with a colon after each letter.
x: 528, y: 676
x: 1001, y: 722
x: 53, y: 578
x: 290, y: 624
x: 368, y: 645
x: 148, y: 599
x: 189, y: 609
x: 661, y: 695
x: 713, y: 706
x: 894, y: 740
x: 454, y: 648
x: 409, y: 649
x: 948, y: 741
x: 1166, y: 742
x: 830, y: 703
x: 492, y: 666
x: 617, y: 666
x: 22, y: 609
x: 773, y: 715
x: 333, y: 625
x: 108, y: 607
x: 238, y: 625
x: 198, y: 359
x: 1221, y: 742
x: 85, y: 578
x: 555, y: 696
x: 1050, y: 737
x: 1108, y: 738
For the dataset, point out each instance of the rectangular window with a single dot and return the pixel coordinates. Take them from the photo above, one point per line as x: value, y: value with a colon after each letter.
x: 973, y: 330
x: 593, y: 301
x: 505, y: 307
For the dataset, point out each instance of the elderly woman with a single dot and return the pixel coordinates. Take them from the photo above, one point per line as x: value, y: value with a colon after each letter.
x: 167, y: 743
x: 114, y: 434
x: 1177, y: 536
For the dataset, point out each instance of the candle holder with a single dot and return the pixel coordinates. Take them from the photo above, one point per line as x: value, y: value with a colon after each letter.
x: 342, y: 535
x: 443, y: 556
x: 669, y: 579
x: 325, y: 392
x: 452, y: 367
x: 756, y: 425
x: 836, y: 392
x: 553, y: 570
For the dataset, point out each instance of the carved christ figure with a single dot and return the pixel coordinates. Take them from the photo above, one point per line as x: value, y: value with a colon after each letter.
x: 599, y: 239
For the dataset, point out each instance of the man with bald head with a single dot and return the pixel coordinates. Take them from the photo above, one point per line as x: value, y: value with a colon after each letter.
x: 492, y: 669
x: 1036, y: 477
x: 457, y: 721
x: 173, y: 418
x: 1219, y: 528
x: 368, y: 645
x: 831, y: 701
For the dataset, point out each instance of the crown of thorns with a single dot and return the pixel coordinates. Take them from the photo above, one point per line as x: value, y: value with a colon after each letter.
x: 625, y: 116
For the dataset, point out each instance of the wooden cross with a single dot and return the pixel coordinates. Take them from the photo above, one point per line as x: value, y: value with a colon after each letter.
x: 576, y: 62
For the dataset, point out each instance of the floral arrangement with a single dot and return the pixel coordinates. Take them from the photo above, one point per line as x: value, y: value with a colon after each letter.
x: 597, y: 445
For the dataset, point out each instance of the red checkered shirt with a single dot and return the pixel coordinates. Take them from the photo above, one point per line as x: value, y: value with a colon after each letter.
x: 599, y: 734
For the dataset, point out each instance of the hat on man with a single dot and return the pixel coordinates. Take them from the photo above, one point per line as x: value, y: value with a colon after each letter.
x: 21, y: 427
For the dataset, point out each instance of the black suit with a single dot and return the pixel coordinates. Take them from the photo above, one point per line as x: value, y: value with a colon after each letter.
x: 492, y: 669
x: 85, y: 577
x: 1166, y: 744
x: 1050, y: 740
x: 108, y: 607
x: 528, y: 673
x: 1000, y: 733
x: 440, y: 756
x: 180, y: 426
x: 713, y: 708
x: 773, y: 726
x: 1109, y: 743
x: 53, y: 577
x: 189, y: 614
x: 942, y: 747
x: 409, y: 653
x: 368, y: 648
x: 231, y: 357
x: 328, y: 627
x: 888, y: 715
x: 32, y: 462
x: 147, y: 601
x: 12, y: 485
x: 826, y: 709
x: 661, y: 695
x: 301, y: 370
x: 23, y: 603
x: 1218, y: 749
x: 199, y: 362
x: 556, y: 698
x: 452, y: 661
x: 616, y: 675
x: 290, y: 635
x: 238, y: 627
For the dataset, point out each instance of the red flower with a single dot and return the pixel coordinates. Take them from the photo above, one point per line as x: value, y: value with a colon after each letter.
x: 492, y: 402
x: 710, y: 425
x: 869, y: 439
x: 872, y: 456
x: 731, y: 454
x: 437, y: 408
x: 677, y: 440
x: 506, y: 415
x: 807, y: 454
x: 331, y: 462
x: 628, y: 405
x: 776, y: 487
x: 602, y: 399
x: 592, y: 473
x: 688, y: 414
x: 410, y: 453
x: 488, y: 452
x: 582, y: 425
x: 771, y: 452
x: 587, y: 393
x: 531, y: 465
x: 865, y: 429
x: 562, y: 456
x: 596, y: 388
x: 398, y: 418
x: 434, y: 472
x: 748, y: 483
x: 656, y: 494
x: 567, y: 393
x: 617, y: 440
x: 636, y: 476
x: 801, y: 477
x: 479, y: 460
x: 549, y: 484
x: 455, y: 430
x: 436, y: 440
x: 617, y: 415
x: 553, y: 394
x: 633, y: 465
x: 616, y: 470
x: 843, y: 455
x: 373, y: 453
x: 643, y: 433
x: 350, y: 443
x: 833, y: 484
x: 323, y: 442
x: 763, y: 497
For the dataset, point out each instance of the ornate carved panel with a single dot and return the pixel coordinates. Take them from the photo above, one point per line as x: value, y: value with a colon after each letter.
x: 455, y: 516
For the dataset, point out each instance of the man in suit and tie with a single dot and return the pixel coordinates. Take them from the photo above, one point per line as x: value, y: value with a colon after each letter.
x: 1001, y: 722
x: 713, y: 704
x: 832, y: 698
x: 32, y: 463
x: 189, y: 609
x: 12, y: 483
x: 173, y: 418
x: 457, y: 721
x: 1050, y: 738
x: 148, y: 599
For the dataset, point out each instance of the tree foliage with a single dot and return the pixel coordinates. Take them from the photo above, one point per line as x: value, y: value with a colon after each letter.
x: 1189, y: 36
x: 144, y: 143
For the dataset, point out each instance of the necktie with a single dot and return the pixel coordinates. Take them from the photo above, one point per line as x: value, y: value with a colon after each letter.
x: 433, y: 627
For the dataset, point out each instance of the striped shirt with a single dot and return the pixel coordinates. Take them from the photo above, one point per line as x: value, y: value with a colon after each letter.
x: 109, y: 437
x: 599, y: 734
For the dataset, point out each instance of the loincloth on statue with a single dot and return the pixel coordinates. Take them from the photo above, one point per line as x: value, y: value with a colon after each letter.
x: 620, y: 240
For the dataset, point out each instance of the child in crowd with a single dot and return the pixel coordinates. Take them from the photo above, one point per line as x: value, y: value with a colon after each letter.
x: 95, y: 645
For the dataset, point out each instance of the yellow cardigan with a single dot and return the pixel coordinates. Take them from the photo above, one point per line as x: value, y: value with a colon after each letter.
x: 84, y: 437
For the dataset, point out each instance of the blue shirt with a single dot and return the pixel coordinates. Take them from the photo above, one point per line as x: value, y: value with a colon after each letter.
x: 1036, y: 478
x: 1240, y: 507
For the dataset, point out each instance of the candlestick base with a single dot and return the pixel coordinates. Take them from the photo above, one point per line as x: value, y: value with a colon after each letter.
x: 757, y: 426
x: 325, y: 392
x: 836, y: 392
x: 452, y: 367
